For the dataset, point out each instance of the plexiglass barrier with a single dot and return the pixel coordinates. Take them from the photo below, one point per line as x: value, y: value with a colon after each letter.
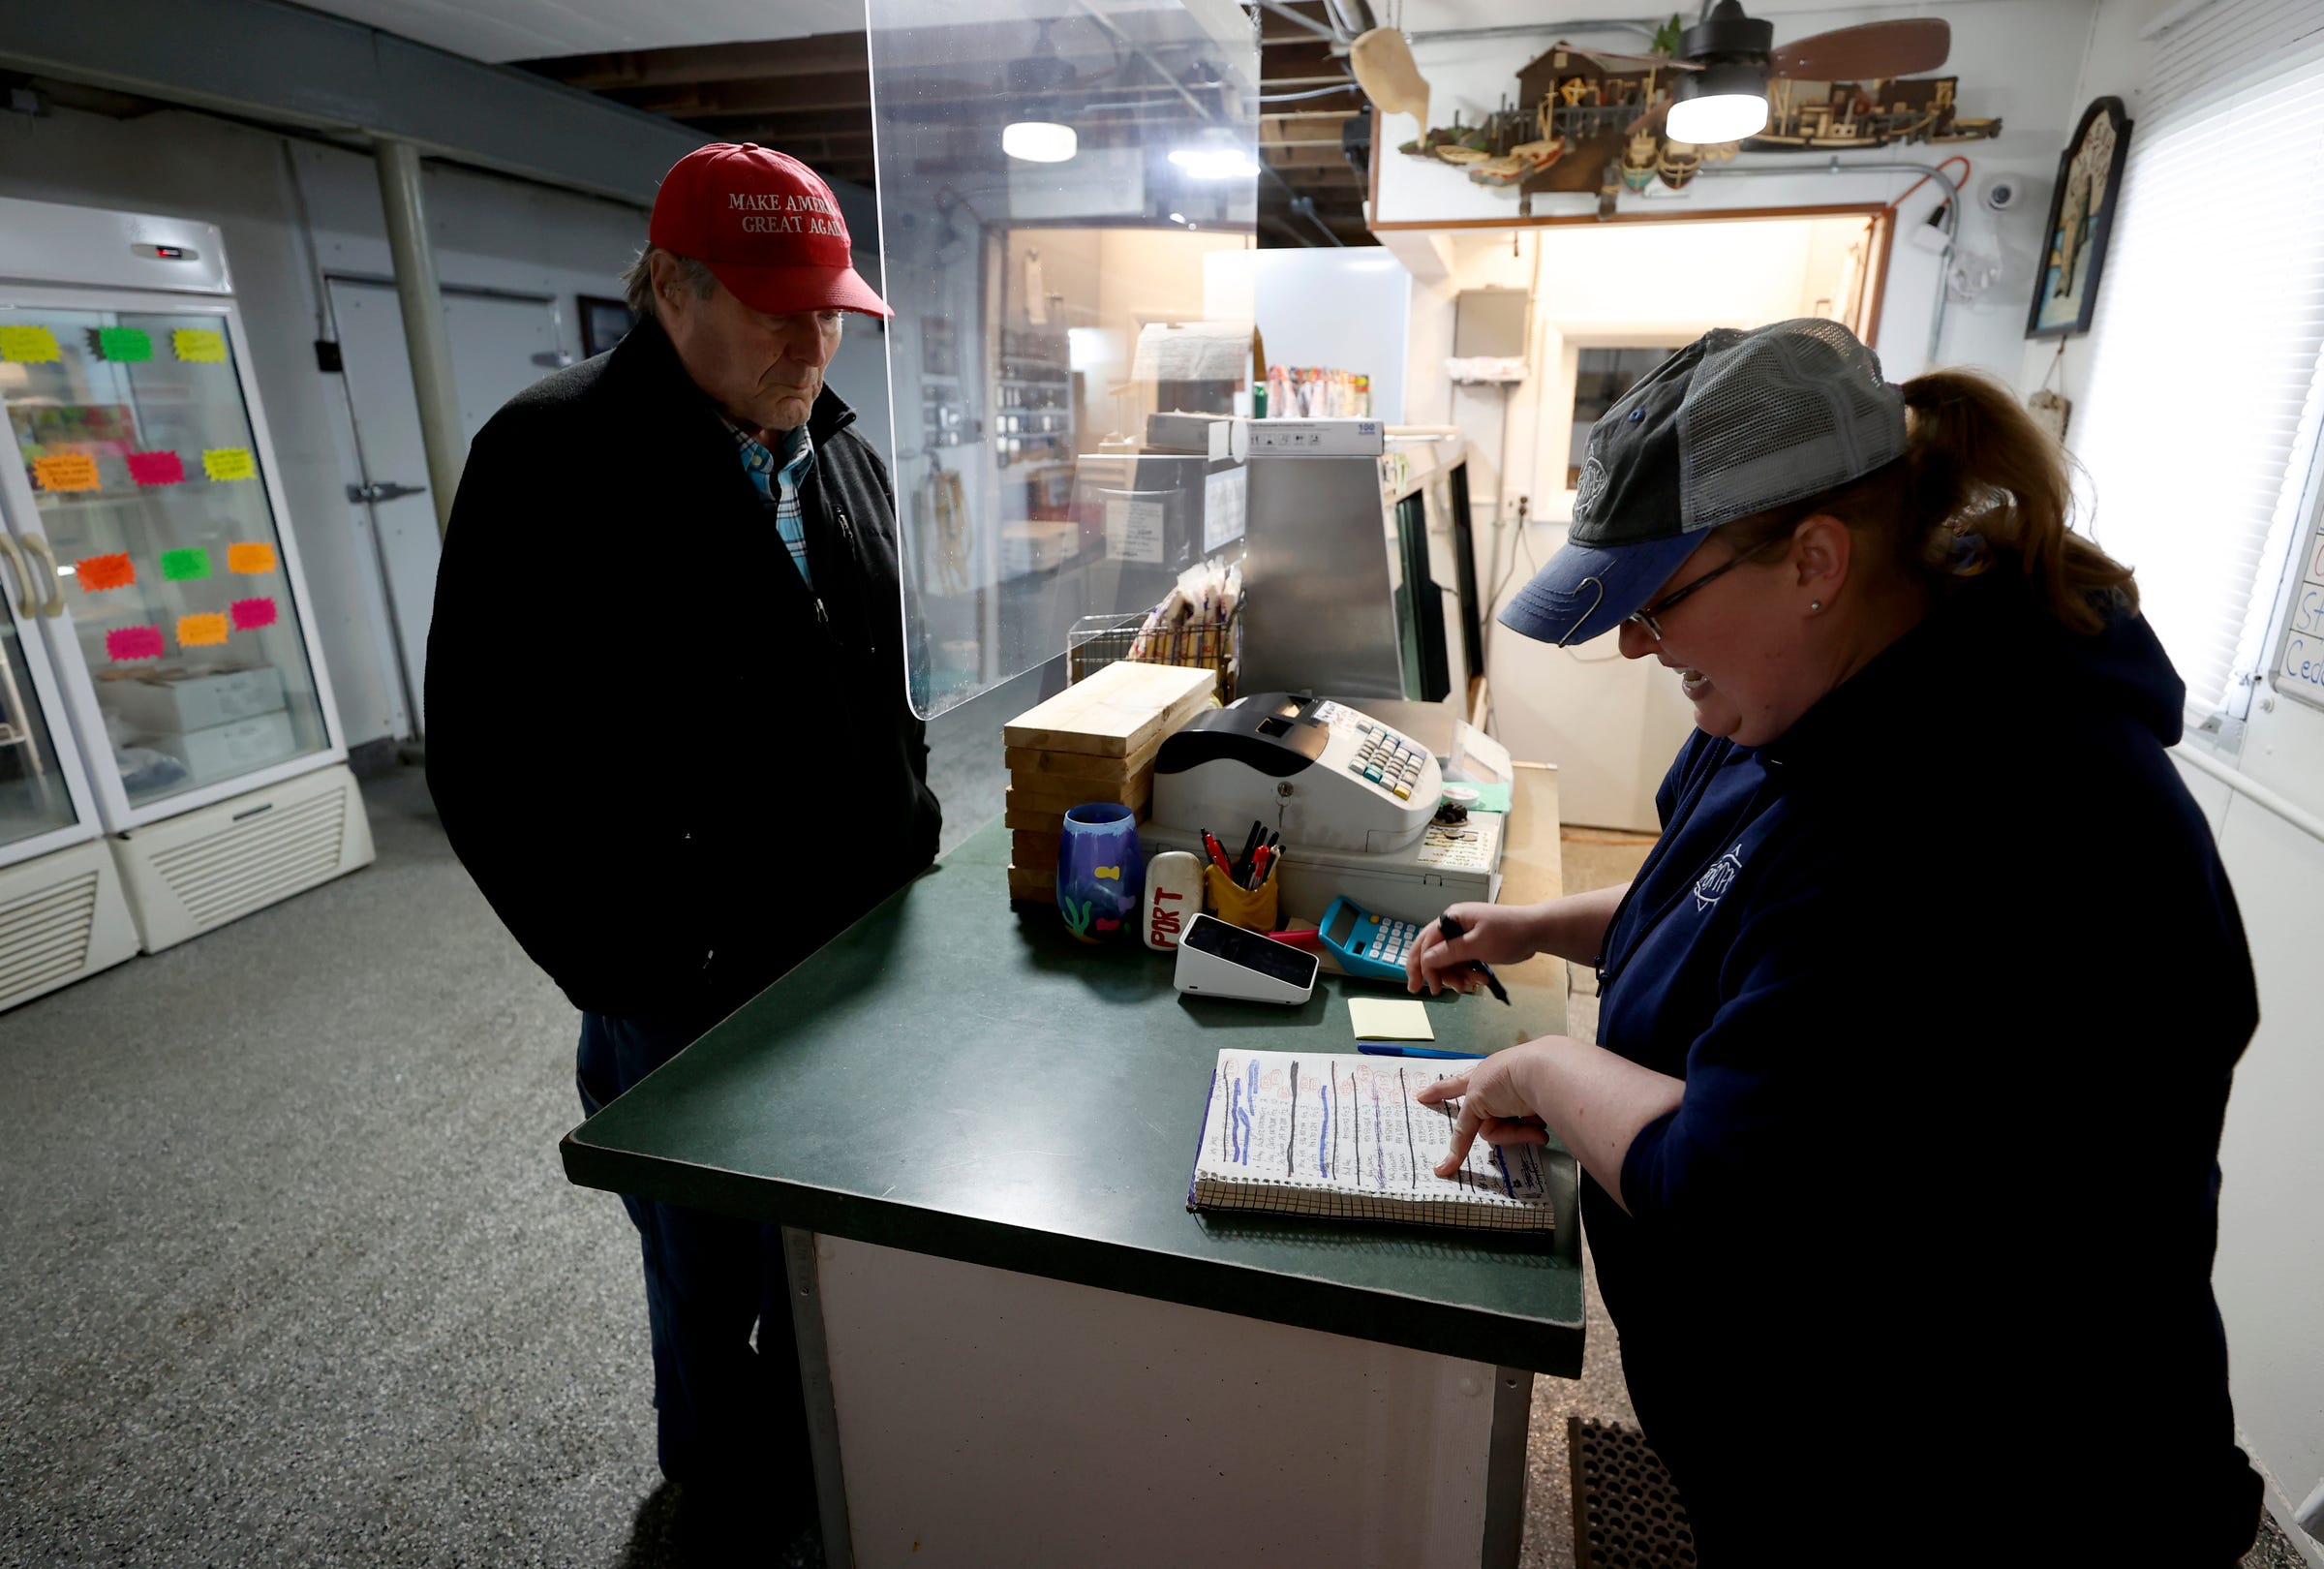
x: 1051, y: 175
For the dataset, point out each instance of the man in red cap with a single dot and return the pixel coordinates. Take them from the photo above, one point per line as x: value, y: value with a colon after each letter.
x: 667, y: 612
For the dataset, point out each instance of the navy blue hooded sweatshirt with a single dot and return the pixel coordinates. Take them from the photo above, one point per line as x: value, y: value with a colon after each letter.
x: 1956, y: 983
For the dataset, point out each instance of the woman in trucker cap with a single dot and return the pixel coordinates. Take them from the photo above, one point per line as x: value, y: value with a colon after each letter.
x: 1901, y: 1170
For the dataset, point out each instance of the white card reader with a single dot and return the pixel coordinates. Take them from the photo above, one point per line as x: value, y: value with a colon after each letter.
x: 1218, y: 958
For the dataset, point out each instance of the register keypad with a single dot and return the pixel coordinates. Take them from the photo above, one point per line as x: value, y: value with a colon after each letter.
x: 1387, y: 759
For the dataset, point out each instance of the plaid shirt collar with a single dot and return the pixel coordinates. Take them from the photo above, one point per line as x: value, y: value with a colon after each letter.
x: 765, y: 466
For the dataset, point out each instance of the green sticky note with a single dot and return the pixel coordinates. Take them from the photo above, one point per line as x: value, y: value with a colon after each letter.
x: 185, y: 565
x: 124, y: 345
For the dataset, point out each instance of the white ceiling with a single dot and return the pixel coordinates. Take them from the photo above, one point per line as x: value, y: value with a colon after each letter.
x: 530, y: 30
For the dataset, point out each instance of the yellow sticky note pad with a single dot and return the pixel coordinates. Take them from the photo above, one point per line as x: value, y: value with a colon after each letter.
x: 229, y: 463
x: 1383, y: 1019
x: 197, y: 632
x: 28, y: 345
x: 66, y: 470
x: 199, y: 345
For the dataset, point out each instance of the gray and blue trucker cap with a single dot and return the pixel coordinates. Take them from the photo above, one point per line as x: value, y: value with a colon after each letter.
x: 1731, y: 426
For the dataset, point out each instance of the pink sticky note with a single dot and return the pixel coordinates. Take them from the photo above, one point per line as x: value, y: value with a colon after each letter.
x: 157, y: 467
x: 133, y: 643
x: 252, y: 614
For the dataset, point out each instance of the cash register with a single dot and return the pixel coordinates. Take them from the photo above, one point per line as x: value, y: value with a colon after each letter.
x: 1356, y: 802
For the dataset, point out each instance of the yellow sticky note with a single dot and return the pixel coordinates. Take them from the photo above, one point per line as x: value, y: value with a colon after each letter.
x: 229, y: 463
x: 66, y: 470
x: 28, y: 345
x: 199, y: 345
x: 1381, y: 1018
x: 198, y: 631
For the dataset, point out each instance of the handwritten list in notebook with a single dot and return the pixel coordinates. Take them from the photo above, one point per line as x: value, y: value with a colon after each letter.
x: 1324, y: 1134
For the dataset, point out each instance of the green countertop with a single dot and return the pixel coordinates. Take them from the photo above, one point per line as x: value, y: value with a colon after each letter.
x: 958, y: 1076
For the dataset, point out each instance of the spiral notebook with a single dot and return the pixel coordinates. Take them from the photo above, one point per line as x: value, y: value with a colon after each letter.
x: 1324, y: 1134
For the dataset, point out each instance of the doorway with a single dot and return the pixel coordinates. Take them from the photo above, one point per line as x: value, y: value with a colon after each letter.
x: 501, y: 343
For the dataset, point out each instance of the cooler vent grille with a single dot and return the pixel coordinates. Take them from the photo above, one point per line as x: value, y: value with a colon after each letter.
x: 269, y: 854
x: 44, y: 937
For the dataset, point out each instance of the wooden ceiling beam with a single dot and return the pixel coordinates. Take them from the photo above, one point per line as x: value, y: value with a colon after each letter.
x: 816, y: 55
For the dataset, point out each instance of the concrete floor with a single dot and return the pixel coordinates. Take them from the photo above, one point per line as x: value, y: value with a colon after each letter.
x: 292, y: 1276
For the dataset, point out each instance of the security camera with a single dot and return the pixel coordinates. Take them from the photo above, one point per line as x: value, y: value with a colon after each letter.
x: 2002, y: 192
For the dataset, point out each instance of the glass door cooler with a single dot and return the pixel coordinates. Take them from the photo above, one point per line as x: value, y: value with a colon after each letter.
x: 144, y: 501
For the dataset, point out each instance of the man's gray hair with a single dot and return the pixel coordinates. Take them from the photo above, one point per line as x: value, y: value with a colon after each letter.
x: 638, y: 280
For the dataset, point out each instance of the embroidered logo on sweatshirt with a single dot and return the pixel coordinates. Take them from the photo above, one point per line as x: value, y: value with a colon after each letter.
x: 1719, y: 878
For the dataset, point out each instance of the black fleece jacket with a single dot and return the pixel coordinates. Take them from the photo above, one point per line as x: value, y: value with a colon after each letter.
x: 673, y: 768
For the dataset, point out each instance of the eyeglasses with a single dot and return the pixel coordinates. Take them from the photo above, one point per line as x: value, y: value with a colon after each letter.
x: 1645, y: 617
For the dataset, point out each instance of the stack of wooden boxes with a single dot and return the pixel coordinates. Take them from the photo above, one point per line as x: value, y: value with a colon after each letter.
x: 1095, y: 741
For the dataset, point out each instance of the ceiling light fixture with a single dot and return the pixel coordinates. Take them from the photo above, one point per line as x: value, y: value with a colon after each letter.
x: 1039, y: 142
x: 1726, y: 100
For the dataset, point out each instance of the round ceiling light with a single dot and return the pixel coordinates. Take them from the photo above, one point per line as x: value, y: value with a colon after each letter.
x: 1039, y: 142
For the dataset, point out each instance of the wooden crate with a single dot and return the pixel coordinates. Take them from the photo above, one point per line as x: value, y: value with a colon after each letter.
x: 1121, y: 711
x: 1034, y: 852
x: 1041, y: 887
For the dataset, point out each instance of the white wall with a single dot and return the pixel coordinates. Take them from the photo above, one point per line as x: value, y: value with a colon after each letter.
x: 1345, y: 308
x: 488, y: 232
x: 2010, y: 55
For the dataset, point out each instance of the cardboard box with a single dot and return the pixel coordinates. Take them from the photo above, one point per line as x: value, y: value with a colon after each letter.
x: 177, y: 701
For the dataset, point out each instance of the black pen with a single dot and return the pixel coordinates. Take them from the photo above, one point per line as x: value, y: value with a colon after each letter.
x: 1451, y: 929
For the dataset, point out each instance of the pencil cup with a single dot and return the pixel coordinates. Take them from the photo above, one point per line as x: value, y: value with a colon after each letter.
x: 1100, y: 871
x: 1173, y: 892
x: 1241, y: 907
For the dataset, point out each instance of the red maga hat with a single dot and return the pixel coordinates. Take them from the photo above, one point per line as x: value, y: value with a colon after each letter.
x: 766, y: 225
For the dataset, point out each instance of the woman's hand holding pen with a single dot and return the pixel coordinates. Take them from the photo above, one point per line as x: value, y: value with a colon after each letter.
x: 1493, y: 934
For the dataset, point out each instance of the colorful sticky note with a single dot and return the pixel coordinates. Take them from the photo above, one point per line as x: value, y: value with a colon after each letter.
x: 66, y: 470
x: 250, y: 558
x: 202, y: 630
x: 229, y: 463
x: 252, y: 614
x: 187, y: 565
x: 28, y: 345
x: 133, y: 643
x: 124, y: 346
x: 155, y: 468
x: 97, y: 573
x: 199, y: 345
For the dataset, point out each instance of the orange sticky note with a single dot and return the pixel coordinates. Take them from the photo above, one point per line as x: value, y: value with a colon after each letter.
x: 250, y: 559
x: 28, y: 345
x: 66, y: 470
x: 229, y: 463
x: 199, y: 345
x: 97, y: 573
x: 198, y: 632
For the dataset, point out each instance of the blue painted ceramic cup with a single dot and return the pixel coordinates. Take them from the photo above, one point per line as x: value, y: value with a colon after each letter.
x: 1100, y: 872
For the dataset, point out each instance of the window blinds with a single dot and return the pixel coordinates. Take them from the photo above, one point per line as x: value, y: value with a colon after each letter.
x: 2200, y: 424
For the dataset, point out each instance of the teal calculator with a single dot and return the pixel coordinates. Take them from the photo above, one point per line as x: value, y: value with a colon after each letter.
x: 1366, y: 944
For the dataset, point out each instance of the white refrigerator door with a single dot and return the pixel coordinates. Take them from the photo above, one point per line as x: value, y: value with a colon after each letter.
x: 44, y: 799
x: 145, y: 486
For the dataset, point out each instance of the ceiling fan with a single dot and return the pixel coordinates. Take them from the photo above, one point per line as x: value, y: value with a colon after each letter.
x: 1719, y: 86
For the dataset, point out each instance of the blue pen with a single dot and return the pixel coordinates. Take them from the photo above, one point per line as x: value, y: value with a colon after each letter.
x: 1381, y: 1048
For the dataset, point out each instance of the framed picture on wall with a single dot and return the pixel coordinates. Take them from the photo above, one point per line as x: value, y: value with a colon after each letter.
x: 2090, y: 187
x: 605, y: 323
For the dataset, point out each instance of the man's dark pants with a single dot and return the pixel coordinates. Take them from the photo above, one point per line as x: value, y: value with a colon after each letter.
x: 730, y: 1416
